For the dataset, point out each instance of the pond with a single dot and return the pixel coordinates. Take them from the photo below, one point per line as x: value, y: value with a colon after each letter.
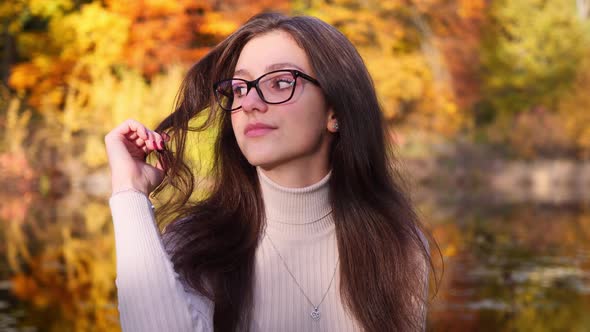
x: 514, y: 268
x: 519, y: 267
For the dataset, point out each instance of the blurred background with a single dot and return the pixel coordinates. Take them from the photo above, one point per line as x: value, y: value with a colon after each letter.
x: 488, y: 101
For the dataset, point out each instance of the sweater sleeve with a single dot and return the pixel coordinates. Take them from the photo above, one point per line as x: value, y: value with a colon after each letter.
x: 151, y: 297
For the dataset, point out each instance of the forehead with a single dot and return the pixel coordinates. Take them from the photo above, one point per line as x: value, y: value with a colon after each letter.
x: 271, y: 51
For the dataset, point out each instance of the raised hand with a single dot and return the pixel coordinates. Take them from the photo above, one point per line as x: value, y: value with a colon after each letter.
x: 127, y: 148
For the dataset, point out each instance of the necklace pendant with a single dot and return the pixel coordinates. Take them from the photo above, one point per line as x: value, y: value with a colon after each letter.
x: 315, y: 314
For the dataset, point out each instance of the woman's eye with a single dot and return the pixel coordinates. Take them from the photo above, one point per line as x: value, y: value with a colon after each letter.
x: 239, y: 90
x: 283, y: 83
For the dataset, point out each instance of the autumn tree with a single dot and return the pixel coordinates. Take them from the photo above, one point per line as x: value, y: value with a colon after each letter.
x: 74, y: 41
x: 574, y: 110
x: 530, y: 59
x: 84, y: 40
x: 399, y: 45
x: 457, y: 27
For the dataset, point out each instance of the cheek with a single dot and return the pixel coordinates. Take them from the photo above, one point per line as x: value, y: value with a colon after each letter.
x: 310, y: 117
x: 238, y: 122
x: 303, y: 127
x: 304, y: 124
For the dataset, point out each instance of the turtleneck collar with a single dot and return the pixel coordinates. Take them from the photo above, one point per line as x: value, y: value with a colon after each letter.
x: 304, y: 210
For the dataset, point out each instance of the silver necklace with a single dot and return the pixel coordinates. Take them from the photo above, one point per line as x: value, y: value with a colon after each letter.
x: 315, y: 314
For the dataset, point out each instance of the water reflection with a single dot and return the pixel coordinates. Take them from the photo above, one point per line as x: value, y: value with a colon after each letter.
x: 508, y: 268
x: 59, y: 269
x: 524, y: 268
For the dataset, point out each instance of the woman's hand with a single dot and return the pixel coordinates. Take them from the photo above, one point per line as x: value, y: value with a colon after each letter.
x: 127, y: 148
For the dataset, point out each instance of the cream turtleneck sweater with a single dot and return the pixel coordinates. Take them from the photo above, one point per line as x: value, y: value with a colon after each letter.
x: 299, y: 224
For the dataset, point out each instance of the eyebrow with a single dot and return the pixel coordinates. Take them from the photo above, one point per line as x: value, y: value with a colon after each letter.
x: 275, y: 66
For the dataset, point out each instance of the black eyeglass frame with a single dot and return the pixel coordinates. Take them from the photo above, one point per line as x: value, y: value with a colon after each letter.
x: 254, y: 84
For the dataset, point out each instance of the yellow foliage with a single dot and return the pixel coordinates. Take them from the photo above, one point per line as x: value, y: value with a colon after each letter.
x: 77, y: 44
x: 364, y: 23
x: 10, y: 12
x: 10, y: 8
x: 23, y: 286
x: 398, y: 80
x: 471, y: 8
x: 74, y: 274
x: 15, y: 127
x: 24, y: 76
x: 96, y: 107
x: 91, y: 158
x: 114, y: 99
x: 93, y: 36
x: 35, y: 43
x: 217, y: 24
x: 574, y: 109
x: 408, y: 71
x: 164, y: 6
x: 450, y: 250
x: 46, y: 8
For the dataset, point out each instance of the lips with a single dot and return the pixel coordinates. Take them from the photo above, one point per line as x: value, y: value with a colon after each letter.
x: 258, y: 129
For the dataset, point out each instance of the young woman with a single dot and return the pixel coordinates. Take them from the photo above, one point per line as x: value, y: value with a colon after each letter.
x: 305, y: 227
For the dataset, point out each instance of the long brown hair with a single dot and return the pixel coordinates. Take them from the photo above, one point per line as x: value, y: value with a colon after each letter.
x: 382, y: 253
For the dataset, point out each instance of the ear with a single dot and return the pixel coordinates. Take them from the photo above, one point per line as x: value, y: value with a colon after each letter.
x: 332, y: 123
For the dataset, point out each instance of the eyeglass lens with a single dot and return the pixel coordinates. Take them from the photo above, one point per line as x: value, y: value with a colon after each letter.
x: 275, y: 87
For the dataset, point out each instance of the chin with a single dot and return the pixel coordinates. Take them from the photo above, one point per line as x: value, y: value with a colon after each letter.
x: 263, y: 161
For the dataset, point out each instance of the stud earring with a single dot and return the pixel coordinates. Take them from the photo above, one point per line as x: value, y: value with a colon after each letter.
x: 335, y: 126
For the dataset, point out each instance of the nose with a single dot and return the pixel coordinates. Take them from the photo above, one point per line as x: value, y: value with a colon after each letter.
x: 252, y: 101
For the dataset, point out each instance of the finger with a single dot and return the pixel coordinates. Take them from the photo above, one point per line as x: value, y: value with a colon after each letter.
x: 148, y: 140
x: 131, y: 126
x: 142, y: 131
x: 154, y: 144
x: 159, y: 141
x: 132, y: 136
x: 139, y: 142
x: 148, y: 145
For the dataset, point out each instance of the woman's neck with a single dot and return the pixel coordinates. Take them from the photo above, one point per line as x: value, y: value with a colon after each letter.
x: 295, y: 176
x: 305, y: 207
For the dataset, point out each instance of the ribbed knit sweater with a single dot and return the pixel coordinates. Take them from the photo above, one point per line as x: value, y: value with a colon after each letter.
x: 300, y: 225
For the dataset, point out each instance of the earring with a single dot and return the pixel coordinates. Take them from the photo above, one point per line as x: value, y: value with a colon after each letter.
x: 335, y: 126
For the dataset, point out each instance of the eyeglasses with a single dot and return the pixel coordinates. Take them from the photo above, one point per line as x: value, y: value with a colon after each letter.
x: 275, y: 87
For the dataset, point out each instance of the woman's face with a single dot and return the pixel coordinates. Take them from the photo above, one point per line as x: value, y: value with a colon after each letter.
x: 299, y: 132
